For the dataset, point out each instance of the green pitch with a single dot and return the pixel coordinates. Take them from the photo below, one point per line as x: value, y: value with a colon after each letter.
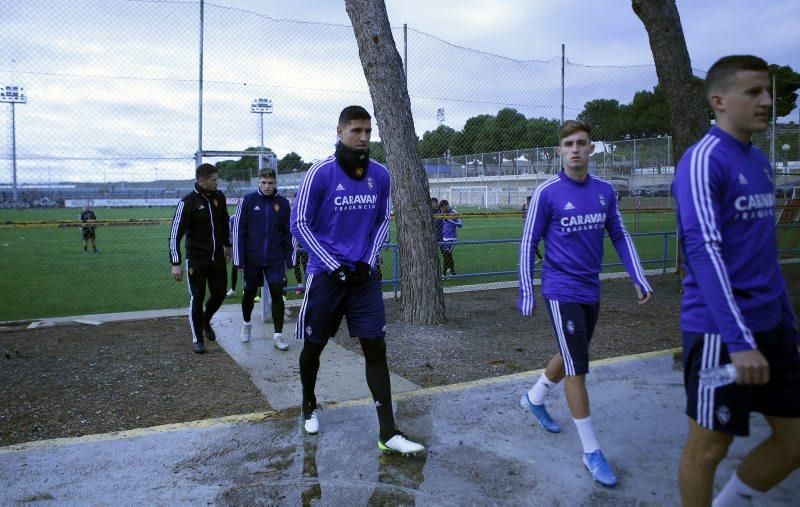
x: 46, y: 274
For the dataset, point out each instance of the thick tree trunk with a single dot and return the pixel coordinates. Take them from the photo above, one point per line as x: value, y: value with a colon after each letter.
x: 685, y: 98
x: 421, y: 286
x: 687, y: 105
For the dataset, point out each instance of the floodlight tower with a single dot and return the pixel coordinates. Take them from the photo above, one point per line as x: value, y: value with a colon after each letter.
x: 261, y: 107
x: 13, y: 95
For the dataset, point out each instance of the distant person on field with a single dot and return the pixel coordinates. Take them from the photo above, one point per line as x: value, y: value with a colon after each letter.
x: 262, y: 250
x: 735, y: 306
x: 88, y: 218
x: 341, y: 216
x: 449, y: 227
x: 571, y: 213
x: 202, y: 215
x: 525, y: 207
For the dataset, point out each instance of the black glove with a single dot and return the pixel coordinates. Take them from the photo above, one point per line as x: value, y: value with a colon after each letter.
x: 362, y: 272
x: 342, y: 275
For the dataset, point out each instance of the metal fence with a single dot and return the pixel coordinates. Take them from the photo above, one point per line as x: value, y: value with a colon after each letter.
x: 108, y: 114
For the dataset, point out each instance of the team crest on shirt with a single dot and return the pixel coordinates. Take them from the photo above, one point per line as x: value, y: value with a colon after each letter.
x: 602, y: 200
x: 276, y: 207
x: 308, y: 330
x: 370, y: 182
x: 723, y: 414
x: 570, y: 327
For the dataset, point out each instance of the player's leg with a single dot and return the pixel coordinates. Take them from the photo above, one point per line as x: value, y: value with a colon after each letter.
x: 533, y: 399
x: 766, y: 465
x: 322, y: 300
x: 196, y: 280
x: 251, y: 279
x: 234, y: 276
x: 702, y: 452
x: 85, y: 236
x: 573, y: 323
x: 217, y: 283
x: 93, y: 238
x: 716, y: 415
x: 276, y: 281
x: 366, y: 318
x: 779, y: 400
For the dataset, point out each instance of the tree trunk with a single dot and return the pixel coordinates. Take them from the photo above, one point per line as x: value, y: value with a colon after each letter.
x: 422, y: 297
x: 685, y: 97
x: 687, y: 104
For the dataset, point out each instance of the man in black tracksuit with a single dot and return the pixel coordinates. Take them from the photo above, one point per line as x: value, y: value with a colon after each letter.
x: 203, y: 216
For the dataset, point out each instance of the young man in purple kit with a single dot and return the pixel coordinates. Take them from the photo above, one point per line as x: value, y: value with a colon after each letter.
x: 341, y: 217
x: 735, y: 307
x: 570, y: 213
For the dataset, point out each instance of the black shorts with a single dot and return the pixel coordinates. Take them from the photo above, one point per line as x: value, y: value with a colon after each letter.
x: 727, y: 408
x: 574, y: 325
x: 254, y: 276
x: 88, y: 233
x: 325, y: 302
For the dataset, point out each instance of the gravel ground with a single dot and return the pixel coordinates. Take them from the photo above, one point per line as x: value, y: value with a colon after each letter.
x: 73, y: 380
x: 486, y: 336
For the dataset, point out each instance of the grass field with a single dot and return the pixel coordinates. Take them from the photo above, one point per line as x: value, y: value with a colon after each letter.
x: 46, y: 273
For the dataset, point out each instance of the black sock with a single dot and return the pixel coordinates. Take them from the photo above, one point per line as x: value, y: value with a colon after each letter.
x: 377, y: 372
x: 309, y: 367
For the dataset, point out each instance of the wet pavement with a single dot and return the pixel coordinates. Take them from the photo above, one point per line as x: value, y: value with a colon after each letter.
x: 483, y: 448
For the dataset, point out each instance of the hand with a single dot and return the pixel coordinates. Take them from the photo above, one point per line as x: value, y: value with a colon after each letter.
x: 342, y: 275
x: 177, y: 273
x: 227, y: 254
x: 751, y: 367
x: 362, y: 272
x: 643, y: 297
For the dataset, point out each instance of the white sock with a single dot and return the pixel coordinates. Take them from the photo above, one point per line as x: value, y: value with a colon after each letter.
x: 586, y: 432
x: 736, y: 494
x: 540, y: 389
x: 248, y: 324
x: 277, y: 336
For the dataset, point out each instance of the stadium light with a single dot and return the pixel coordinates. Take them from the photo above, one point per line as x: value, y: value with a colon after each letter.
x: 261, y: 107
x: 13, y: 95
x: 786, y: 149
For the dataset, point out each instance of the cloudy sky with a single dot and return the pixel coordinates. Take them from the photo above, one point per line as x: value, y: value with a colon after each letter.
x: 112, y: 84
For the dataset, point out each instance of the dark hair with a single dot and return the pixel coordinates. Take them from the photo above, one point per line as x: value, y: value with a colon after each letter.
x: 204, y: 171
x: 351, y: 113
x: 720, y: 75
x: 569, y: 127
x: 267, y: 173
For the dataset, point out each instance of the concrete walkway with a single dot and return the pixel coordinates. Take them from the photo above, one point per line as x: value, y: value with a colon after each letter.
x: 275, y: 373
x: 482, y: 449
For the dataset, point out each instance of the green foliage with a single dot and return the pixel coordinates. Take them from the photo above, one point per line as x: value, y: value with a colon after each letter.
x: 376, y: 152
x: 292, y: 162
x: 646, y: 116
x: 437, y: 143
x: 508, y: 130
x: 240, y: 170
x: 786, y: 84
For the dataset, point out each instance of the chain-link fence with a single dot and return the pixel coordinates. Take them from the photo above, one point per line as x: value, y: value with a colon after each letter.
x: 107, y: 115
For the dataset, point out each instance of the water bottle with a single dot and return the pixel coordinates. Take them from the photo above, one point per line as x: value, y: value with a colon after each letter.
x: 718, y: 376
